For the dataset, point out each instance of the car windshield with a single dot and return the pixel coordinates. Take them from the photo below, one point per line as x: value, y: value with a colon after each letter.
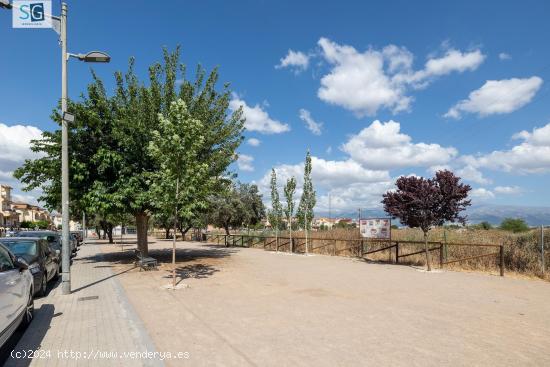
x: 25, y: 248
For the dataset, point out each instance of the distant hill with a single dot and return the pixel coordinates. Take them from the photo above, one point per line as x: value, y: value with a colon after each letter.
x: 494, y: 214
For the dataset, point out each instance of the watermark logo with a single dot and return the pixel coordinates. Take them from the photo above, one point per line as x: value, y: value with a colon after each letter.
x: 32, y: 14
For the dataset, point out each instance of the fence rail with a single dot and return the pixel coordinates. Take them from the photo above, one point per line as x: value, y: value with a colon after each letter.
x: 354, y: 247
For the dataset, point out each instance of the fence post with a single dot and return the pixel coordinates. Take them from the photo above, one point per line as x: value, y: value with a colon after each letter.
x: 440, y: 255
x: 397, y: 252
x: 501, y: 260
x: 361, y: 249
x: 542, y: 248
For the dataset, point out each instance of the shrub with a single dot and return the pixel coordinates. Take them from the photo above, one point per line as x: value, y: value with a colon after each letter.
x: 514, y: 225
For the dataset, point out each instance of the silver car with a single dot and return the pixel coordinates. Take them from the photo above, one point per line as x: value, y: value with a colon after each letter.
x: 16, y: 294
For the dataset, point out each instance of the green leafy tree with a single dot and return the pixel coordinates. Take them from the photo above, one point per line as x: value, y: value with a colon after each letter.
x: 514, y: 225
x: 236, y: 205
x: 111, y: 168
x: 181, y: 184
x: 290, y: 189
x: 92, y: 157
x: 305, y: 212
x: 484, y: 225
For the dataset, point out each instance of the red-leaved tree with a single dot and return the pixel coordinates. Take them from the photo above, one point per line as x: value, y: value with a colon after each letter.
x: 424, y: 203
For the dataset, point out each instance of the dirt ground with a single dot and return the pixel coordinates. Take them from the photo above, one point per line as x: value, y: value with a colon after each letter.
x: 252, y: 307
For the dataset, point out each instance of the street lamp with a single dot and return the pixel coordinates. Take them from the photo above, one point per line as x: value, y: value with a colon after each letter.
x: 93, y: 56
x: 67, y: 118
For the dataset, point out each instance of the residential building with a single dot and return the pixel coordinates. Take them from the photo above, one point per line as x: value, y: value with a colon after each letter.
x: 8, y: 217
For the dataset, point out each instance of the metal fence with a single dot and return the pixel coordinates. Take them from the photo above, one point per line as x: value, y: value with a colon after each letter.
x: 396, y: 250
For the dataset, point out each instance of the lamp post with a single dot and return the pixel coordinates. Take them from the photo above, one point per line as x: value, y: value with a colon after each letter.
x: 66, y: 119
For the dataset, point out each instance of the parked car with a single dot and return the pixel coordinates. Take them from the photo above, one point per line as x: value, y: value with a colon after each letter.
x: 43, y: 261
x: 74, y: 237
x: 16, y: 294
x: 79, y: 236
x: 52, y: 237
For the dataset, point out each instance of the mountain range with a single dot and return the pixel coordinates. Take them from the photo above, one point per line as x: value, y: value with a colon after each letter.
x: 494, y: 214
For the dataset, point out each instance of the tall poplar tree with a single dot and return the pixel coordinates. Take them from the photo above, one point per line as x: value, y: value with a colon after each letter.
x: 290, y: 188
x: 308, y: 200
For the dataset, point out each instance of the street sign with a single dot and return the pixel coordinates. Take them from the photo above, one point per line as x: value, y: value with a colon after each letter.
x: 379, y: 228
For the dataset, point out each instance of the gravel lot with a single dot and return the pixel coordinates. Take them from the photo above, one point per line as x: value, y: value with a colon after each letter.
x: 252, y: 307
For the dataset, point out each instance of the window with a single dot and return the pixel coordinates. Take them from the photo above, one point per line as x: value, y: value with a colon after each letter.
x: 5, y: 260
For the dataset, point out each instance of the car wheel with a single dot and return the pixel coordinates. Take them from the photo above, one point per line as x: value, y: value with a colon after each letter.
x: 29, y: 312
x: 43, y: 285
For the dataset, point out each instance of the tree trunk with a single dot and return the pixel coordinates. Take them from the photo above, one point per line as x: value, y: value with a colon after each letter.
x: 110, y: 232
x: 167, y: 233
x: 141, y: 227
x: 98, y: 232
x: 226, y: 227
x: 427, y: 252
x: 184, y: 231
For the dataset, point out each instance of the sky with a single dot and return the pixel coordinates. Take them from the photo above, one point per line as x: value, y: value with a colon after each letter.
x: 373, y: 91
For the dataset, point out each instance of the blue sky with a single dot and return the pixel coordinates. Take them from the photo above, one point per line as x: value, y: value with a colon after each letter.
x: 465, y: 84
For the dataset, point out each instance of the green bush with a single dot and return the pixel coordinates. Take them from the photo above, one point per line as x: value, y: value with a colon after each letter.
x: 40, y: 224
x: 514, y: 225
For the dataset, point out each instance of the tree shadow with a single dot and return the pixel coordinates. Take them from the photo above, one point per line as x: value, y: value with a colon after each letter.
x: 196, y: 271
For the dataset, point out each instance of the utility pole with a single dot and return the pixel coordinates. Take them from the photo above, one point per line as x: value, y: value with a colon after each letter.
x: 66, y: 118
x: 66, y: 256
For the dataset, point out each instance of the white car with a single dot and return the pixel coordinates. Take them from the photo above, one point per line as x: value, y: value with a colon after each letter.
x: 16, y: 294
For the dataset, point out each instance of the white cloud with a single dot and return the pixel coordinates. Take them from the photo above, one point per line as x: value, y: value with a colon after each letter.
x: 497, y: 97
x: 254, y: 142
x: 382, y: 146
x: 482, y: 194
x: 471, y: 173
x: 504, y: 56
x: 508, y: 190
x: 244, y: 162
x: 311, y: 124
x: 452, y: 61
x: 328, y: 174
x: 348, y: 198
x: 257, y: 119
x: 358, y: 82
x: 364, y: 82
x: 296, y: 60
x: 329, y: 149
x: 15, y: 144
x: 532, y: 155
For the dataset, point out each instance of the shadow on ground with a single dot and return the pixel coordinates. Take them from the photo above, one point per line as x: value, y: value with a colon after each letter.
x: 16, y: 349
x: 197, y: 271
x: 127, y: 256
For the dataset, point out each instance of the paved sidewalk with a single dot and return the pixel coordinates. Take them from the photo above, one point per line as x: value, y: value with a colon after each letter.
x: 94, y: 326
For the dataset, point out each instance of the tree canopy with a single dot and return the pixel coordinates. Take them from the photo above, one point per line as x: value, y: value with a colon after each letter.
x: 115, y: 143
x: 423, y: 203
